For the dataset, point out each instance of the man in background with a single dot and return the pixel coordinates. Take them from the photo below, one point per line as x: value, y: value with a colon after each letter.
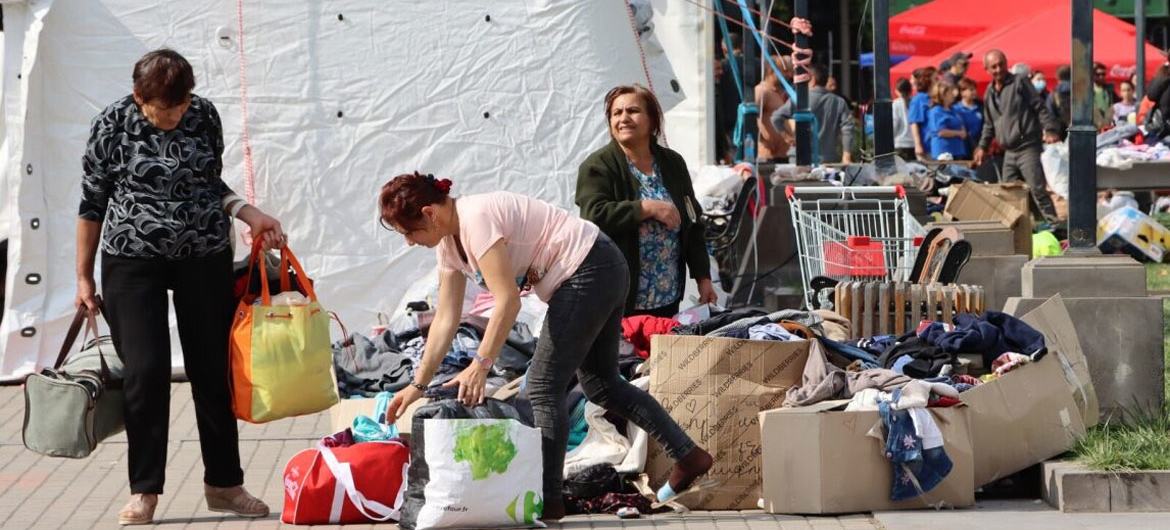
x: 834, y: 126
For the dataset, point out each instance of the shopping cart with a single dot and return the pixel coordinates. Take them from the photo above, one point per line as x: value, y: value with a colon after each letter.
x: 852, y: 233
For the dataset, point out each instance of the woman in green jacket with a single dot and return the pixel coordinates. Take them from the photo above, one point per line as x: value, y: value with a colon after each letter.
x: 639, y: 193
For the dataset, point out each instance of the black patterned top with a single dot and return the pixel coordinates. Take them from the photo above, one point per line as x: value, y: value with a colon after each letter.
x: 159, y: 192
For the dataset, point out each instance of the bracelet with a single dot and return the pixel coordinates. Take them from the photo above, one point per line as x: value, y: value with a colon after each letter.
x: 419, y: 386
x: 483, y: 361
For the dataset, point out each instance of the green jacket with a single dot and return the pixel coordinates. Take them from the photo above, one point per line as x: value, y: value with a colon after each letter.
x: 608, y: 195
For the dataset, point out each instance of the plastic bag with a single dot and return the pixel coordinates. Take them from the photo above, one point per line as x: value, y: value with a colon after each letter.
x: 1054, y: 159
x: 473, y: 467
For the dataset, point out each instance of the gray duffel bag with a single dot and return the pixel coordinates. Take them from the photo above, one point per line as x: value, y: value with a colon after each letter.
x: 77, y: 403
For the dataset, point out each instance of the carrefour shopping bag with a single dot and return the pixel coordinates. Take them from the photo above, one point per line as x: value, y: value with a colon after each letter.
x: 476, y: 467
x: 281, y: 361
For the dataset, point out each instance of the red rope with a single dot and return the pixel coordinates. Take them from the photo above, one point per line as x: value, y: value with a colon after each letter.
x: 249, y: 167
x: 642, y: 56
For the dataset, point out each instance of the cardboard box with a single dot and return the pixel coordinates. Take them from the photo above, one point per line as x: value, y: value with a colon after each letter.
x: 819, y: 460
x: 1135, y: 233
x: 987, y: 238
x: 715, y: 388
x: 1060, y: 336
x: 342, y: 414
x: 1037, y: 411
x: 1007, y: 203
x: 1024, y: 418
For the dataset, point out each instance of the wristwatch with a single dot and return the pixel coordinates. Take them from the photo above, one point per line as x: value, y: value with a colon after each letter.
x: 421, y: 387
x: 483, y: 361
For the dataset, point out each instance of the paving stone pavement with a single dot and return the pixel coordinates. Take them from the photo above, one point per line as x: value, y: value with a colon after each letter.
x: 42, y: 493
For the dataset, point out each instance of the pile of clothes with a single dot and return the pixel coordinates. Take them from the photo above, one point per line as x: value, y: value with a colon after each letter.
x: 913, y: 373
x: 385, y: 362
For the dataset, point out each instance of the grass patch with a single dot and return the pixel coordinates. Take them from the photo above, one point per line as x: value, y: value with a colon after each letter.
x: 1158, y: 277
x: 1141, y: 442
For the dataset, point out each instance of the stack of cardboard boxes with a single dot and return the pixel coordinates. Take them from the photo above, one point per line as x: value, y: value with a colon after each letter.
x: 995, y: 218
x: 820, y: 459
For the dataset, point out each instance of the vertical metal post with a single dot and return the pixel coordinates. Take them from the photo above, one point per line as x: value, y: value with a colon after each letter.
x: 1139, y: 22
x: 883, y: 118
x: 804, y: 137
x: 1082, y: 137
x: 751, y: 65
x: 846, y: 30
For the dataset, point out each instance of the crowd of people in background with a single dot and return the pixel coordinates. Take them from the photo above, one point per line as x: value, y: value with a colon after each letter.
x: 939, y: 114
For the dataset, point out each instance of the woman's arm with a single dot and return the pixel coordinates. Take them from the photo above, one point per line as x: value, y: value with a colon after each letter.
x: 442, y: 331
x: 88, y: 233
x: 496, y: 268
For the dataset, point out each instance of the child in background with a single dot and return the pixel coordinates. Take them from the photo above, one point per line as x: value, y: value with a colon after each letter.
x: 947, y: 135
x: 970, y: 110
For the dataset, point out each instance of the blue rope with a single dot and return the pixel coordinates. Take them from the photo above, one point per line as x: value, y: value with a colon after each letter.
x: 747, y: 17
x: 799, y: 116
x: 745, y: 110
x: 730, y: 50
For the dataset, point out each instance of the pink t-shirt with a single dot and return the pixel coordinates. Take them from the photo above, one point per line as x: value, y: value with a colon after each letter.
x: 545, y: 244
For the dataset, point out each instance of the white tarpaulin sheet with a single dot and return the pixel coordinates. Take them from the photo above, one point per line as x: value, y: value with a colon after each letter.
x: 342, y: 95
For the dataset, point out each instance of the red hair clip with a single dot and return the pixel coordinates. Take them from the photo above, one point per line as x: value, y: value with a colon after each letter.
x: 443, y: 185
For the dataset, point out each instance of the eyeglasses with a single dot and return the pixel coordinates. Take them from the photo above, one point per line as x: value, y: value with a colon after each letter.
x: 392, y: 228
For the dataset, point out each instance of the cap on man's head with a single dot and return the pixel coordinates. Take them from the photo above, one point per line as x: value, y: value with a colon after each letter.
x: 960, y: 56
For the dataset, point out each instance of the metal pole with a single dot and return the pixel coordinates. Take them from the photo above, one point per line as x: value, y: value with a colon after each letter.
x: 846, y: 79
x: 1082, y: 136
x: 883, y: 118
x: 804, y: 137
x: 1139, y: 22
x: 751, y: 65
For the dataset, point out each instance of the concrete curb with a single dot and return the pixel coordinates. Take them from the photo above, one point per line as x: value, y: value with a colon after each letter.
x: 1071, y: 487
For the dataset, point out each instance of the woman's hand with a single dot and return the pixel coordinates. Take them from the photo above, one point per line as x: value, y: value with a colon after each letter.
x: 86, y: 294
x: 707, y: 293
x: 264, y: 226
x: 663, y: 212
x: 400, y: 402
x: 472, y: 381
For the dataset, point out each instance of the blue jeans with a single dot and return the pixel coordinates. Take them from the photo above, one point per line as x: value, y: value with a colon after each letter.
x: 916, y: 470
x: 581, y: 334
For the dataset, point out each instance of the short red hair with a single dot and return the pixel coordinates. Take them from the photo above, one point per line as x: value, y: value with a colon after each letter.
x: 403, y: 198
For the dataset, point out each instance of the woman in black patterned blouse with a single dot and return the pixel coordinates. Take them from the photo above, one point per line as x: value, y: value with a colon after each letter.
x: 153, y: 197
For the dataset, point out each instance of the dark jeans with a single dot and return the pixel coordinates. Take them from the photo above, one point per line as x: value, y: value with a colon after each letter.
x: 135, y: 292
x: 581, y: 334
x: 1024, y: 164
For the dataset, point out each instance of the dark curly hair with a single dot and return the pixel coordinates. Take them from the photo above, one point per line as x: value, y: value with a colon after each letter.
x: 403, y: 198
x: 163, y: 76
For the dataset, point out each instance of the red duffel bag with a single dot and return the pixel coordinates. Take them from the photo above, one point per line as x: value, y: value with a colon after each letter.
x: 360, y: 483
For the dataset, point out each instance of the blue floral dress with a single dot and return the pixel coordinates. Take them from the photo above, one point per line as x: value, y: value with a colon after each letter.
x: 660, y: 249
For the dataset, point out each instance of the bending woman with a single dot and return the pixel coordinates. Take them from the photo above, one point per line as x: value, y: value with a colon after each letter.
x: 508, y: 242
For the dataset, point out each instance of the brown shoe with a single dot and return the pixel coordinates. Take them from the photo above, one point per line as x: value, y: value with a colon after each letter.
x: 140, y: 509
x: 234, y: 500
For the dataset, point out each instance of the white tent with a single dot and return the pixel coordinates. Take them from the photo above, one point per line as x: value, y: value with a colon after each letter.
x: 341, y: 95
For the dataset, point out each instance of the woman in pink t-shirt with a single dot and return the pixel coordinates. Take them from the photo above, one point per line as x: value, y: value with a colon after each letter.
x: 507, y: 243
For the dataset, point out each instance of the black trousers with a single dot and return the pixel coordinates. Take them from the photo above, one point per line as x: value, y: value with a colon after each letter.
x: 581, y: 335
x: 135, y: 293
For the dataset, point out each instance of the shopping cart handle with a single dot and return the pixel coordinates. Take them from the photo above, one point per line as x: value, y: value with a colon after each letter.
x: 900, y: 191
x: 789, y: 191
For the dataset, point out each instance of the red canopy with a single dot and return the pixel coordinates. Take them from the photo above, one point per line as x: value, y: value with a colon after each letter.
x: 1043, y: 41
x: 935, y: 26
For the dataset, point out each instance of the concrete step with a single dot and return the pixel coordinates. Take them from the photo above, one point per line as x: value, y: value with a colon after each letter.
x: 1071, y: 487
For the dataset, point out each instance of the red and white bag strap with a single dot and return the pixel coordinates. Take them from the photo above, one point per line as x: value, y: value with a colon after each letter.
x: 344, y: 476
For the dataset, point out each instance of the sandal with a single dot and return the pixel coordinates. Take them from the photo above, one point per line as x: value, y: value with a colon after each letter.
x: 234, y: 500
x: 140, y: 509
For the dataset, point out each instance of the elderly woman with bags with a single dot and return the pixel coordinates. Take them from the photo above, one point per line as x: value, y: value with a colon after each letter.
x: 508, y: 243
x: 639, y: 193
x: 153, y: 197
